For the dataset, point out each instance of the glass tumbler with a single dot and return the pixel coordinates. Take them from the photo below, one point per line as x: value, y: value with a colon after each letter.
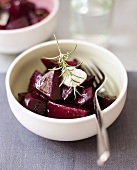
x: 91, y: 20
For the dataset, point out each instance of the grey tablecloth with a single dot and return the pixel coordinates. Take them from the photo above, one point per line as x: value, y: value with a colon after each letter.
x: 22, y: 150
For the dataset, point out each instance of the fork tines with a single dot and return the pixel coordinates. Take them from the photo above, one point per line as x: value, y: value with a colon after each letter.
x: 92, y: 69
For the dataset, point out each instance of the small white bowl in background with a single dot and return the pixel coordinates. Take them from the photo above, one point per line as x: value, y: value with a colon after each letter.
x: 17, y: 40
x: 20, y: 71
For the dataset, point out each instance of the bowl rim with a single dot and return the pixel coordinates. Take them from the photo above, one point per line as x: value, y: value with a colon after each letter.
x: 66, y: 121
x: 39, y: 24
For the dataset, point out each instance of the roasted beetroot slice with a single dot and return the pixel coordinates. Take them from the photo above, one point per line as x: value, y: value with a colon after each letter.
x: 48, y: 63
x: 105, y: 100
x: 65, y: 111
x: 86, y: 98
x: 18, y: 23
x: 27, y: 7
x: 33, y: 80
x: 2, y: 27
x: 49, y: 85
x: 22, y: 13
x: 89, y: 81
x: 35, y: 103
x: 15, y: 9
x: 73, y: 62
x: 19, y: 8
x: 33, y: 19
x: 21, y: 97
x: 67, y: 93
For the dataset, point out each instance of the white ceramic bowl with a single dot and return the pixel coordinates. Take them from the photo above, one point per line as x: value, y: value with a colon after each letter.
x: 18, y: 40
x: 23, y: 66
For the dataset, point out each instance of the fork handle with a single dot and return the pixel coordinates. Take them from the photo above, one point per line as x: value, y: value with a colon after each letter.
x: 102, y: 145
x: 102, y: 137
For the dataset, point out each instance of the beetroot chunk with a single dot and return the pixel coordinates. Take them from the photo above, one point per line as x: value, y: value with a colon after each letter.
x: 35, y: 103
x: 26, y: 7
x: 65, y: 111
x: 86, y: 98
x: 67, y: 93
x: 105, y: 100
x: 18, y: 23
x: 33, y: 19
x: 33, y: 80
x: 22, y: 13
x: 15, y: 8
x: 89, y: 81
x: 48, y: 63
x: 21, y: 97
x: 49, y: 85
x: 2, y: 27
x: 73, y: 62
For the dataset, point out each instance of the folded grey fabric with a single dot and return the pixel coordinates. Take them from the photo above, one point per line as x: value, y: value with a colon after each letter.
x: 20, y: 149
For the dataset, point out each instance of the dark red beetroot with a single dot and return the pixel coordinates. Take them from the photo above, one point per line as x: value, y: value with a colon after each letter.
x: 105, y: 100
x: 2, y: 27
x: 33, y: 80
x: 20, y: 9
x: 18, y: 23
x: 48, y: 90
x: 35, y: 103
x: 73, y: 62
x: 65, y: 111
x: 49, y: 85
x: 89, y: 81
x: 48, y: 63
x: 67, y: 93
x: 33, y: 19
x: 21, y: 97
x: 15, y: 9
x: 86, y: 98
x: 27, y: 7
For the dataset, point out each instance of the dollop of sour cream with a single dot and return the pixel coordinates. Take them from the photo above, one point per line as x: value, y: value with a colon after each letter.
x: 78, y: 75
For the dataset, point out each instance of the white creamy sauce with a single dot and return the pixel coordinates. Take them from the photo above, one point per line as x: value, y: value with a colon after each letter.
x: 79, y: 76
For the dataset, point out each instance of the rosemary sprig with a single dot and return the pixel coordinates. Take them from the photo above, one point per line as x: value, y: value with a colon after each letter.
x: 66, y: 70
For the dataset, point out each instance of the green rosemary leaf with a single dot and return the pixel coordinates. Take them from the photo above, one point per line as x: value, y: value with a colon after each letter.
x: 78, y: 92
x: 78, y: 76
x: 62, y: 72
x: 69, y: 53
x: 55, y: 62
x: 62, y: 82
x: 69, y: 89
x: 61, y: 61
x: 81, y: 86
x: 75, y: 96
x: 58, y: 68
x: 75, y: 80
x: 71, y: 69
x: 52, y: 58
x: 79, y: 64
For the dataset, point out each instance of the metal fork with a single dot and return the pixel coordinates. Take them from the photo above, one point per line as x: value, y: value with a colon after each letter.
x: 102, y: 136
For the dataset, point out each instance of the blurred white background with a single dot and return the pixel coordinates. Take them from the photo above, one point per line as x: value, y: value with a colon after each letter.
x: 124, y: 33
